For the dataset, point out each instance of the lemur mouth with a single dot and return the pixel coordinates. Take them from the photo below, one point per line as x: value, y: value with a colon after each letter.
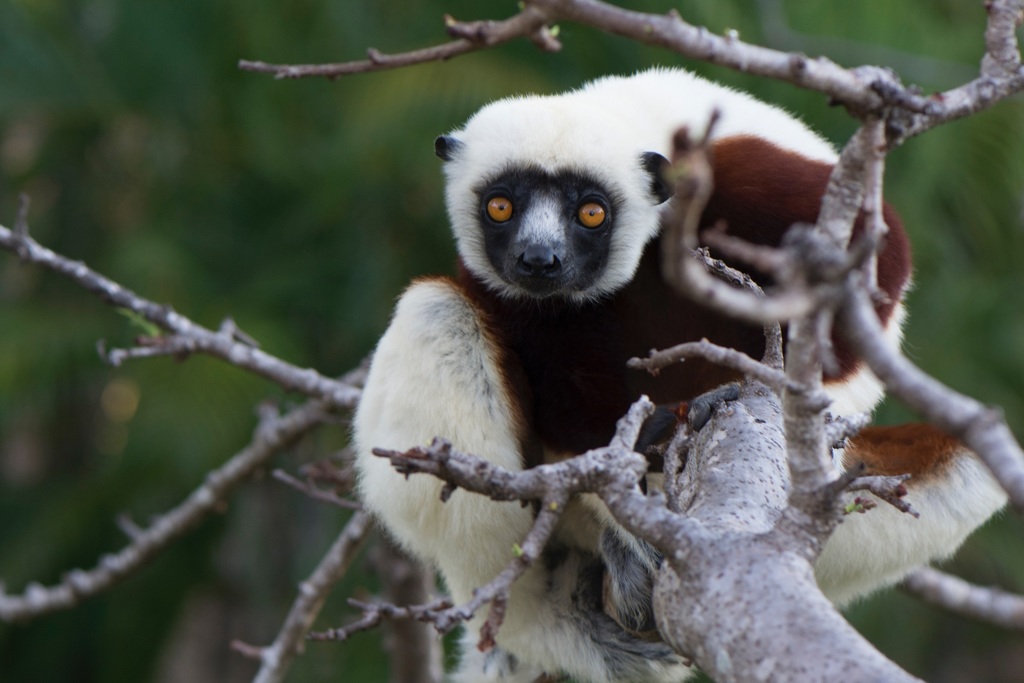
x: 562, y: 284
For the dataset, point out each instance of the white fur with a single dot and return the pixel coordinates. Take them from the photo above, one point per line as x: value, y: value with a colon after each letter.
x: 434, y: 374
x: 877, y: 549
x: 602, y: 129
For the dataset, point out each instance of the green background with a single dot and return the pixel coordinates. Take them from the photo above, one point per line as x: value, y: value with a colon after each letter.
x: 301, y: 208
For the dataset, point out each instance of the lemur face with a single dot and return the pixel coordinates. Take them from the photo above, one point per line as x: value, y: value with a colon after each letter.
x: 561, y: 229
x: 546, y: 234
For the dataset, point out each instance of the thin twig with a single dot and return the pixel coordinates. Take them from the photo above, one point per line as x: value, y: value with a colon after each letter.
x: 375, y: 613
x: 615, y: 471
x: 310, y: 489
x: 862, y: 90
x: 276, y: 658
x: 470, y: 36
x: 686, y: 267
x: 889, y: 489
x: 496, y: 592
x: 874, y: 218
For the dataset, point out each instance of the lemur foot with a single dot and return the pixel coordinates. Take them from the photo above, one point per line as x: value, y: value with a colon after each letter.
x: 630, y: 566
x: 663, y: 422
x: 702, y: 407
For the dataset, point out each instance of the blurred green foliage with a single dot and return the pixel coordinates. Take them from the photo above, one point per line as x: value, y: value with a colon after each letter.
x: 301, y: 208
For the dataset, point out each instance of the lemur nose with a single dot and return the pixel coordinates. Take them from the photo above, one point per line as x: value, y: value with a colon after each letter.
x: 539, y: 260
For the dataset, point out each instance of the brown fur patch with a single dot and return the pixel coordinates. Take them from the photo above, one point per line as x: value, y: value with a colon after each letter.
x: 514, y: 382
x: 919, y: 450
x: 762, y: 189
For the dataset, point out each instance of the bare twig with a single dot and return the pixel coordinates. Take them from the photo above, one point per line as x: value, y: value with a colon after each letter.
x: 314, y: 492
x: 375, y: 613
x: 550, y: 484
x: 889, y: 489
x: 271, y: 436
x: 582, y: 473
x: 1001, y: 75
x: 276, y: 658
x: 876, y: 228
x: 776, y: 379
x: 824, y: 257
x: 413, y: 648
x: 336, y: 471
x: 470, y: 36
x: 856, y: 88
x: 767, y: 259
x: 772, y: 330
x: 990, y: 605
x: 128, y: 526
x: 187, y: 335
x: 844, y: 195
x: 1002, y: 53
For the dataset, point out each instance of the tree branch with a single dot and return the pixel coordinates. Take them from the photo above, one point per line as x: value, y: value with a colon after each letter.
x: 990, y: 605
x: 862, y: 89
x: 720, y: 355
x: 272, y: 435
x: 185, y: 335
x: 614, y: 471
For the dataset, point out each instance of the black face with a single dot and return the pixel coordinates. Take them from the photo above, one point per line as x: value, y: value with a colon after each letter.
x: 549, y: 235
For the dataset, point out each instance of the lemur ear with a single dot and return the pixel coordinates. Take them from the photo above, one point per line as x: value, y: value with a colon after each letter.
x: 446, y: 147
x: 657, y: 166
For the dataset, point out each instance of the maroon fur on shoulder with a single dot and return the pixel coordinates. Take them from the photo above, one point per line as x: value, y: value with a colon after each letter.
x: 761, y: 189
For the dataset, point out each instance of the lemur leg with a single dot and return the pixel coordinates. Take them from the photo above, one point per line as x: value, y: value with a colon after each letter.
x: 633, y: 563
x: 950, y: 488
x: 437, y: 372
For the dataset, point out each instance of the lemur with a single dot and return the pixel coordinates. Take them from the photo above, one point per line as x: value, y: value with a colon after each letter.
x: 520, y: 358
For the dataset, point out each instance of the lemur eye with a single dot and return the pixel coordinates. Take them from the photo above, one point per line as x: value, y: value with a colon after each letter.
x: 591, y: 215
x: 499, y: 209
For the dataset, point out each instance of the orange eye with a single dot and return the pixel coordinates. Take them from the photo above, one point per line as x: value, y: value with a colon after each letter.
x: 591, y: 215
x: 499, y: 209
